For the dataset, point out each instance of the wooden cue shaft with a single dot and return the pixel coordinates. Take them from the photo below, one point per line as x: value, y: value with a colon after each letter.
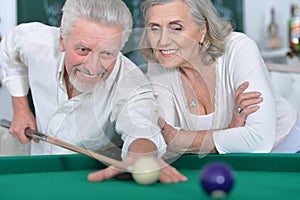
x: 104, y: 159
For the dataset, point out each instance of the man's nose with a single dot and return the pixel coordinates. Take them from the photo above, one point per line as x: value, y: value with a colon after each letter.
x: 93, y: 63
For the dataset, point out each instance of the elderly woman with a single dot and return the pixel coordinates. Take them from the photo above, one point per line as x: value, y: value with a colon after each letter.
x: 212, y: 83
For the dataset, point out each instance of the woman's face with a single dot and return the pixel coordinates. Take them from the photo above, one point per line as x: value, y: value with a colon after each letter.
x: 173, y: 35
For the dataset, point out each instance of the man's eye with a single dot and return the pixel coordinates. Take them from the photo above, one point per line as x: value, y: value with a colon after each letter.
x: 107, y: 55
x: 82, y: 51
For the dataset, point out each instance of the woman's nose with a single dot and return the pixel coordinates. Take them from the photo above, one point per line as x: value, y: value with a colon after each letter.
x: 165, y: 37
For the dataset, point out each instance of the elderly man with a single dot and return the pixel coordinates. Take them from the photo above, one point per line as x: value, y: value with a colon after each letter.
x: 84, y: 90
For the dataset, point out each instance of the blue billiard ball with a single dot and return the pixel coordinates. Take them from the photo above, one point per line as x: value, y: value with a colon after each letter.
x: 217, y: 179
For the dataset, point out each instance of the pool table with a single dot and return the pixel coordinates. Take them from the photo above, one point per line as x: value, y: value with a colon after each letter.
x: 54, y: 177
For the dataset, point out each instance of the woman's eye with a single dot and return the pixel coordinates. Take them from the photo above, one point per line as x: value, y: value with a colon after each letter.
x: 154, y: 28
x: 176, y: 27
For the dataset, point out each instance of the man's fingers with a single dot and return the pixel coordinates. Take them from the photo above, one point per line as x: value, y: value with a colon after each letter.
x: 161, y: 122
x: 104, y: 174
x: 170, y: 175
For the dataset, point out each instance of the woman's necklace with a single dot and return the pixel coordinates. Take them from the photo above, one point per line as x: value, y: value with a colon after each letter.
x: 190, y: 93
x: 202, y: 86
x: 192, y: 103
x: 192, y: 100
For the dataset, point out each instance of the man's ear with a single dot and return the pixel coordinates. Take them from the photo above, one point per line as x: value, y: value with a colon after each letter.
x: 61, y: 42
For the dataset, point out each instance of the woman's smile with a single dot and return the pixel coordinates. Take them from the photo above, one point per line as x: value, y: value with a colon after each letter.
x: 168, y: 53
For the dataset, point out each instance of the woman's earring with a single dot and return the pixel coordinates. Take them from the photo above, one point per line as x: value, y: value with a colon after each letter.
x: 202, y: 38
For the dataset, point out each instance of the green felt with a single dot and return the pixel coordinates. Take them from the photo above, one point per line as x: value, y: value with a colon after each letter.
x: 257, y: 176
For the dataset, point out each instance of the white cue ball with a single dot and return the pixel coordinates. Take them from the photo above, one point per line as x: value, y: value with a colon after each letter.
x: 146, y: 171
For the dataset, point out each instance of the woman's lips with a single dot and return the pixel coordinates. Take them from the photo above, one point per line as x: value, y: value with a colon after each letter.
x: 168, y: 53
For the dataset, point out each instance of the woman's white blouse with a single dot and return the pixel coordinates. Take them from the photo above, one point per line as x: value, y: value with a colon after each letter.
x: 241, y: 62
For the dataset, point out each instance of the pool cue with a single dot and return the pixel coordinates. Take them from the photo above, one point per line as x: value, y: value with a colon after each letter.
x: 104, y: 159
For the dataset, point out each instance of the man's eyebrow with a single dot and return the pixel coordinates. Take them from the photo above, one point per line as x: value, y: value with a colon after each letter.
x: 84, y: 45
x: 112, y: 51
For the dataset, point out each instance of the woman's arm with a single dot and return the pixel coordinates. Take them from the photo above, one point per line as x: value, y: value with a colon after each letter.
x: 202, y: 142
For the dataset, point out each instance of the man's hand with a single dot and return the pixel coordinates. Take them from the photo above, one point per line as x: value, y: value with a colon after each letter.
x: 22, y: 119
x: 168, y: 174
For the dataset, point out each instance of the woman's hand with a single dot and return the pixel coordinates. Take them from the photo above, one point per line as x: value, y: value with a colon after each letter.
x: 245, y: 104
